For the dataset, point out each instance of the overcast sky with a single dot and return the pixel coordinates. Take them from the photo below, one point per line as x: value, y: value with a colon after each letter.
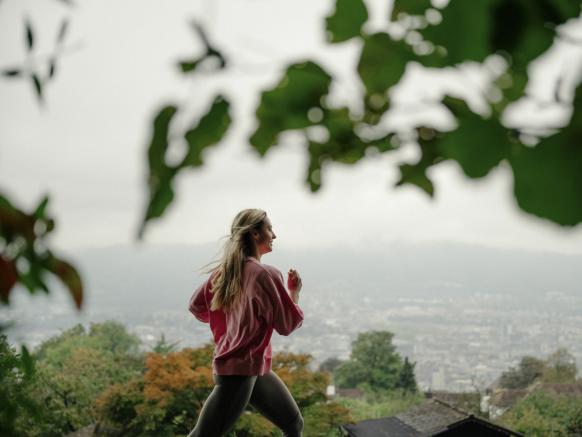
x: 86, y: 147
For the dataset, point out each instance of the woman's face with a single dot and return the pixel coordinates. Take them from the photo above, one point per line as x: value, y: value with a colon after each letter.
x: 267, y: 235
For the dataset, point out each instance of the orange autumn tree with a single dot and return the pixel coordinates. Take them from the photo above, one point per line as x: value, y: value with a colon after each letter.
x: 167, y: 398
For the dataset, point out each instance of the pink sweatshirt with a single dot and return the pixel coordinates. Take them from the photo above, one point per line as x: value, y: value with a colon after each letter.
x: 243, y: 335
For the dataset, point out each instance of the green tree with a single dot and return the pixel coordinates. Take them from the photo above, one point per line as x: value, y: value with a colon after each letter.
x: 560, y: 367
x: 530, y: 369
x: 373, y: 365
x: 17, y: 378
x: 406, y: 379
x: 330, y: 364
x: 163, y: 347
x: 72, y: 369
x: 545, y: 414
x: 108, y: 337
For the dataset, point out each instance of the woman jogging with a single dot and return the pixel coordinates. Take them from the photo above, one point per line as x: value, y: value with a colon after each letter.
x: 243, y: 300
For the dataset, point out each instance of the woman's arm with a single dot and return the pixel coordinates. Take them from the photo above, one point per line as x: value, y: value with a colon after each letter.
x: 286, y: 315
x: 198, y: 306
x: 294, y: 284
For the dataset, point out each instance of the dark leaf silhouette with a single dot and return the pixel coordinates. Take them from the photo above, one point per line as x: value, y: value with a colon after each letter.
x: 208, y: 131
x: 69, y: 276
x: 29, y: 35
x: 286, y: 106
x: 382, y: 63
x: 346, y: 21
x: 28, y: 232
x: 11, y: 73
x: 210, y: 52
x: 478, y: 144
x: 415, y: 174
x: 161, y: 175
x: 548, y: 177
x: 409, y: 7
x: 8, y: 277
x: 52, y: 68
x: 62, y: 31
x: 37, y: 85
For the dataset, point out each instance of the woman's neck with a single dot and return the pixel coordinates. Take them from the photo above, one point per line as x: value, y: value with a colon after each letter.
x: 256, y: 254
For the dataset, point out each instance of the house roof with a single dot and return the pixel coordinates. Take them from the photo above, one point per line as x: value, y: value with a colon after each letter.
x: 385, y: 427
x: 430, y: 419
x: 431, y: 416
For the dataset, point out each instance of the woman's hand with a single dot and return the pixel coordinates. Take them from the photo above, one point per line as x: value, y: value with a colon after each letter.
x: 294, y: 283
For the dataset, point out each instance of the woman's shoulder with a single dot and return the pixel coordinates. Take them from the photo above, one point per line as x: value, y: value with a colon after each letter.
x: 264, y: 269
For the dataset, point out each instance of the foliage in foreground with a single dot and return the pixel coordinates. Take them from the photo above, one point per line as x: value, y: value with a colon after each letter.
x: 168, y: 397
x: 99, y: 376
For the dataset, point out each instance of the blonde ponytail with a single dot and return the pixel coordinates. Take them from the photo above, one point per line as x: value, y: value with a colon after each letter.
x: 227, y: 271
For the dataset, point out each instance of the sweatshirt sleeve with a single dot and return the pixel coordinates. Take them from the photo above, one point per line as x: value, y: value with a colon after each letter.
x: 197, y: 305
x: 287, y: 316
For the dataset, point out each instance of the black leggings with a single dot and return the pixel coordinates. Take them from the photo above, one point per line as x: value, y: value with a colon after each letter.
x: 227, y: 401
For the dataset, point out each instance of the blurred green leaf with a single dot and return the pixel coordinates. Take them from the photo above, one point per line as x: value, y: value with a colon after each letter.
x: 548, y: 177
x: 19, y: 230
x: 343, y: 144
x: 515, y: 89
x: 346, y: 21
x: 33, y: 280
x: 566, y: 8
x: 210, y: 52
x: 478, y: 144
x: 208, y: 131
x: 286, y: 106
x: 159, y: 142
x: 465, y: 30
x: 40, y: 211
x: 382, y: 62
x: 29, y: 35
x: 14, y: 222
x: 160, y: 174
x: 410, y: 7
x: 69, y: 276
x: 188, y: 66
x: 415, y: 174
x: 8, y: 277
x: 62, y: 31
x: 11, y: 73
x: 516, y: 27
x: 52, y: 68
x: 37, y: 85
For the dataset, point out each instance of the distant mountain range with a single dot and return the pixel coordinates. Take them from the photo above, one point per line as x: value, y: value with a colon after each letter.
x: 131, y: 283
x: 164, y: 275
